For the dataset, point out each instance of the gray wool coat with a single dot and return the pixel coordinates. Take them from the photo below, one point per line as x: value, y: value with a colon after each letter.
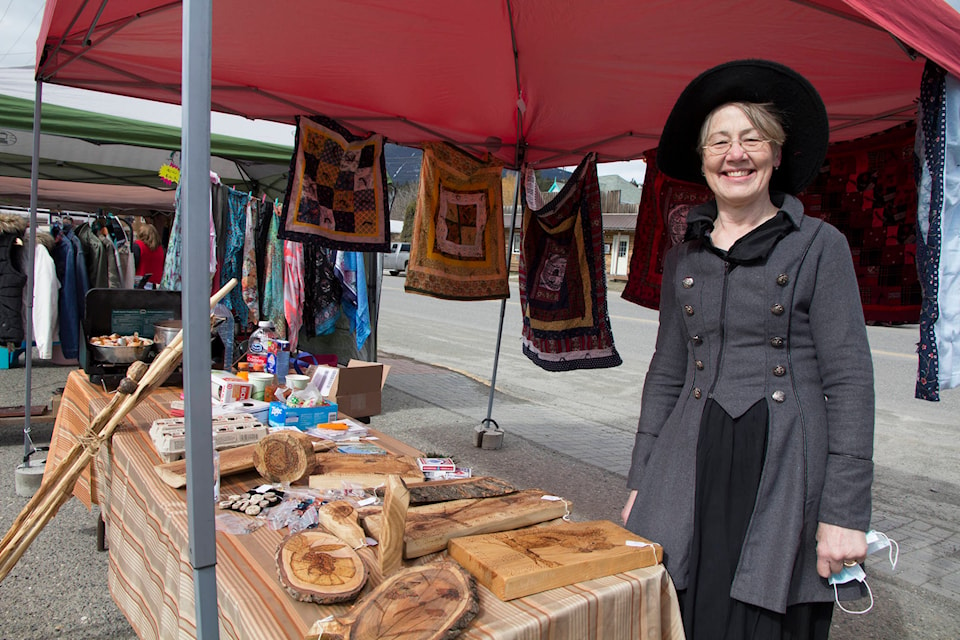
x: 789, y: 329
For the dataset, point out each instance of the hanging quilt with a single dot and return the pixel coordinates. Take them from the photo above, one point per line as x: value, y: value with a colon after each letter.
x: 336, y: 191
x: 865, y: 189
x: 661, y: 223
x: 458, y: 248
x: 563, y: 288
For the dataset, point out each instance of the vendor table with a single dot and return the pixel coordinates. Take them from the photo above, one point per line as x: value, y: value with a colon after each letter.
x: 151, y: 579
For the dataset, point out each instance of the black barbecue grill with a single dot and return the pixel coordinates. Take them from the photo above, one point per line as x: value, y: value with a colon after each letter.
x: 125, y: 312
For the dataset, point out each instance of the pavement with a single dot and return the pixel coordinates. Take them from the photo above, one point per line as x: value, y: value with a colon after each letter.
x: 59, y: 588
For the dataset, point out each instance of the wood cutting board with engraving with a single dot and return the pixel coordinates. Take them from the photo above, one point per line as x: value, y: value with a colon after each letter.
x: 367, y: 470
x: 429, y: 527
x: 513, y: 564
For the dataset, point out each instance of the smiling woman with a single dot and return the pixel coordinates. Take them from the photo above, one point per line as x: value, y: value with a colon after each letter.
x: 754, y: 499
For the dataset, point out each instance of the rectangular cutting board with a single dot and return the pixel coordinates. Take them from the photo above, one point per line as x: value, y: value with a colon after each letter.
x: 513, y: 564
x: 429, y: 527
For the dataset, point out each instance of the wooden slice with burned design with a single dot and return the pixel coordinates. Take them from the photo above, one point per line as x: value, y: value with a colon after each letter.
x: 284, y: 456
x: 435, y: 601
x: 314, y: 566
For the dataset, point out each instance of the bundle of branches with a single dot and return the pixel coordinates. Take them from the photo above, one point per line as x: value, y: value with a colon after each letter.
x: 57, y: 487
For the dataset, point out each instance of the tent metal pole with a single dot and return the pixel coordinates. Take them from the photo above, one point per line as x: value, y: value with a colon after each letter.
x: 518, y: 163
x: 28, y: 447
x: 503, y: 303
x: 197, y: 55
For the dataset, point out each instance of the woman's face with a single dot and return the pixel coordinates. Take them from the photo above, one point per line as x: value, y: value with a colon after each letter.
x: 737, y: 177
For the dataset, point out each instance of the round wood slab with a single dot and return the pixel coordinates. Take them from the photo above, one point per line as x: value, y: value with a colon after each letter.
x: 436, y: 601
x: 314, y: 566
x: 284, y: 456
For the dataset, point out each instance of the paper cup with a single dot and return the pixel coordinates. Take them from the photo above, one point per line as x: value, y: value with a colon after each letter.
x: 297, y: 380
x: 260, y: 380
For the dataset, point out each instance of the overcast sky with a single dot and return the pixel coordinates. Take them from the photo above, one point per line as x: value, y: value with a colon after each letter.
x: 19, y: 27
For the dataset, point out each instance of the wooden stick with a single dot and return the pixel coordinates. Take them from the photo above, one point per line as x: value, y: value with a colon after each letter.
x: 40, y: 499
x: 54, y: 493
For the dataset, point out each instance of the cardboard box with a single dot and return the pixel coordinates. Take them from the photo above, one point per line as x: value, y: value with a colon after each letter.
x: 355, y: 388
x: 225, y: 387
x: 302, y: 418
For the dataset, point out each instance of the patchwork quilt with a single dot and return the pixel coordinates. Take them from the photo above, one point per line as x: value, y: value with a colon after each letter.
x: 336, y: 190
x: 458, y: 244
x: 865, y: 188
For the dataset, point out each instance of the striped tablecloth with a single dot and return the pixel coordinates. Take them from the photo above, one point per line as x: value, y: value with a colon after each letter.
x: 151, y: 579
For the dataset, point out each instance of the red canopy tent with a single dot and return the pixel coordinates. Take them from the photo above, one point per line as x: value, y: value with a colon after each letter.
x: 591, y: 76
x: 539, y: 82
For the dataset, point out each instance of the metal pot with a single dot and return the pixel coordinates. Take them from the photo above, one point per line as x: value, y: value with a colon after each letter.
x: 166, y: 330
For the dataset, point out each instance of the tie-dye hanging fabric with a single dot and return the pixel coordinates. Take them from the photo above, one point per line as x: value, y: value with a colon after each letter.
x: 458, y: 248
x: 353, y: 281
x: 336, y: 194
x: 273, y: 267
x: 563, y: 288
x: 236, y: 224
x: 293, y: 290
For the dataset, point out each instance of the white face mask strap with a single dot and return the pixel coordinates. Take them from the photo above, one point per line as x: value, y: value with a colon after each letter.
x: 836, y: 596
x: 894, y: 553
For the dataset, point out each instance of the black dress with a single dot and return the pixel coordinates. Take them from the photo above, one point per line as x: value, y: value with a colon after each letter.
x: 730, y: 457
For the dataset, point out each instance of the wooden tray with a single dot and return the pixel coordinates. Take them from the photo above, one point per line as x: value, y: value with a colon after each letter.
x: 513, y: 564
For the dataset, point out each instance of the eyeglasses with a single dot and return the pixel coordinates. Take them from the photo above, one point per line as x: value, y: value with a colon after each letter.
x: 721, y: 147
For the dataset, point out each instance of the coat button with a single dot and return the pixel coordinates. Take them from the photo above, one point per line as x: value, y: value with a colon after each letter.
x: 777, y: 309
x: 699, y: 364
x: 688, y: 309
x: 696, y: 339
x: 783, y: 279
x: 779, y: 370
x: 778, y: 396
x: 687, y: 282
x: 697, y: 393
x: 776, y: 342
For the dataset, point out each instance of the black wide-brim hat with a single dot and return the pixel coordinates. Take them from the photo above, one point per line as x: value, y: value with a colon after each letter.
x: 797, y: 103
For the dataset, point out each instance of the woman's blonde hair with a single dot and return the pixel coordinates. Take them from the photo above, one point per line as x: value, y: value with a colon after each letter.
x: 149, y: 235
x: 762, y: 115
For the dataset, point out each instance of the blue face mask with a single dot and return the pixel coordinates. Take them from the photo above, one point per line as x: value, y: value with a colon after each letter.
x: 876, y: 541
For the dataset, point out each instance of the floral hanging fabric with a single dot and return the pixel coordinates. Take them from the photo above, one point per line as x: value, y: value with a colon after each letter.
x: 336, y: 194
x: 563, y: 288
x: 322, y: 290
x: 457, y: 251
x: 938, y: 226
x: 249, y: 289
